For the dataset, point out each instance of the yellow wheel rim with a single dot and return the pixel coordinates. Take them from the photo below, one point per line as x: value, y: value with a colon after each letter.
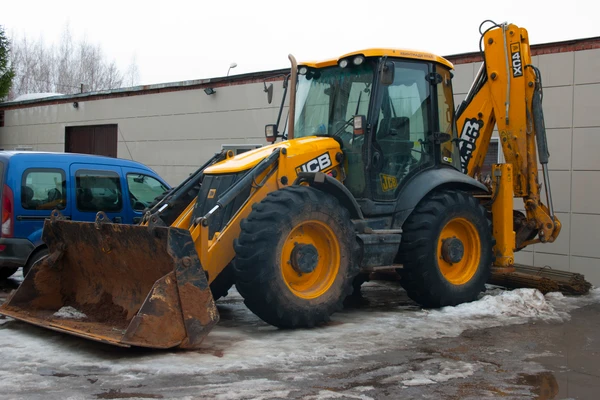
x: 315, y: 235
x: 459, y: 272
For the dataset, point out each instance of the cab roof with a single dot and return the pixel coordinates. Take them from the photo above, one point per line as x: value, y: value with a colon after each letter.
x: 398, y: 53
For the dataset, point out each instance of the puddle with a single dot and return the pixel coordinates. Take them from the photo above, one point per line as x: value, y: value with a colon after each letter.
x: 544, y: 384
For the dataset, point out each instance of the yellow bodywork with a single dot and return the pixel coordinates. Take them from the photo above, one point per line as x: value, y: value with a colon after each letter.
x: 502, y: 216
x: 297, y: 151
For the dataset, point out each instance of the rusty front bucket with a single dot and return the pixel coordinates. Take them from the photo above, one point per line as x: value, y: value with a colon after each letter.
x: 119, y: 284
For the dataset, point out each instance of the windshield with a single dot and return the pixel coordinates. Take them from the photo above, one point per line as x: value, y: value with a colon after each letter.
x: 327, y: 99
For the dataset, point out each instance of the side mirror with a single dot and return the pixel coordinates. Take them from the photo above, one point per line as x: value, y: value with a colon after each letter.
x: 360, y: 125
x: 271, y: 132
x: 269, y: 91
x: 387, y: 73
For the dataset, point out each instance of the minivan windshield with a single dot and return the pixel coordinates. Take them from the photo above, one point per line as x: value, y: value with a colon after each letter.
x: 328, y: 98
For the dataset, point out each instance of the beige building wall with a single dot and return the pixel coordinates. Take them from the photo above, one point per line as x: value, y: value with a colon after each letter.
x: 173, y: 132
x: 572, y: 115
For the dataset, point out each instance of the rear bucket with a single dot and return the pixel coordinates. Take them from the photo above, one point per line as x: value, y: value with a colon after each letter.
x: 119, y: 284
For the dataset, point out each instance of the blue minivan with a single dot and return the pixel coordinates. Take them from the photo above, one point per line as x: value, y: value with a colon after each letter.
x: 79, y: 185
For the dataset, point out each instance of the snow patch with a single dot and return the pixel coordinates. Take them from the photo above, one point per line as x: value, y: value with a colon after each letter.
x: 509, y: 306
x: 364, y: 388
x: 259, y: 389
x: 428, y: 372
x: 36, y: 96
x: 244, y: 342
x: 328, y: 394
x: 69, y: 312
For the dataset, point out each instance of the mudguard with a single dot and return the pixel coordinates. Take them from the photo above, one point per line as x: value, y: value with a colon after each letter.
x: 427, y: 181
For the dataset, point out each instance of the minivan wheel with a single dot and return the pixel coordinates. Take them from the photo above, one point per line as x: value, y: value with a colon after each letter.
x: 38, y: 255
x: 7, y: 272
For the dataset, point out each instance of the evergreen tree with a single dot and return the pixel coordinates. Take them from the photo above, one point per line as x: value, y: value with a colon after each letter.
x: 6, y: 72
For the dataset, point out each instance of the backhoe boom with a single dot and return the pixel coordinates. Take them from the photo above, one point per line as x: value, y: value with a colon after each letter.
x: 507, y: 94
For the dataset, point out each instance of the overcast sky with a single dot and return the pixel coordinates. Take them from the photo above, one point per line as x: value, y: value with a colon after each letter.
x: 182, y: 40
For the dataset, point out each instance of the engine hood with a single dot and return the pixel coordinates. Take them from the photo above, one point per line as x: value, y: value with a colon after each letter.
x: 294, y: 147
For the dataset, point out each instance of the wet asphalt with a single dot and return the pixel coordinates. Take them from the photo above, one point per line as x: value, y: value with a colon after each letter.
x: 536, y: 360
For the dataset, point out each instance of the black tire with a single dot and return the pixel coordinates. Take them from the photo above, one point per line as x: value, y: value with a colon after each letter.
x: 222, y: 283
x: 36, y: 256
x: 430, y: 275
x: 7, y: 272
x: 290, y: 221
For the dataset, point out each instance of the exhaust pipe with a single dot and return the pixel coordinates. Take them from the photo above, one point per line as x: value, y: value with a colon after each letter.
x: 294, y: 80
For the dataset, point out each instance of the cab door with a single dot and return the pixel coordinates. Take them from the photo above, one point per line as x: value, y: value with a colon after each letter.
x: 403, y: 122
x: 97, y: 188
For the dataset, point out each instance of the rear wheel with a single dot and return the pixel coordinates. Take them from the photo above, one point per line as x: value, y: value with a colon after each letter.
x: 446, y: 250
x: 7, y: 272
x: 296, y: 257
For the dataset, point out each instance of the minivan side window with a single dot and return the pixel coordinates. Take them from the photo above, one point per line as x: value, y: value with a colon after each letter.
x: 43, y: 189
x: 98, y: 191
x: 143, y: 189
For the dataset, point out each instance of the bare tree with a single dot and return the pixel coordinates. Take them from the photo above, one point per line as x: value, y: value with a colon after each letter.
x: 132, y: 74
x: 65, y: 68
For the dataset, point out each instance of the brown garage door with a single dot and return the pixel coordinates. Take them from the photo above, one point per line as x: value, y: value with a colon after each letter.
x: 94, y: 139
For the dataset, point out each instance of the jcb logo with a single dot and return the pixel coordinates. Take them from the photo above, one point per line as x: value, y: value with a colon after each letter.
x: 316, y: 164
x: 468, y: 141
x: 517, y: 64
x: 388, y: 182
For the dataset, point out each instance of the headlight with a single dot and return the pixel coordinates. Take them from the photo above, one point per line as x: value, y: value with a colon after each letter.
x: 343, y: 63
x: 358, y: 60
x: 271, y: 133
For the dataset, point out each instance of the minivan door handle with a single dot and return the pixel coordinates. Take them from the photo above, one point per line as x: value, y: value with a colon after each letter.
x: 118, y: 220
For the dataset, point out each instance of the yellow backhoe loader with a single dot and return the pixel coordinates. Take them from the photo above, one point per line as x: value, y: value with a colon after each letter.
x: 375, y: 171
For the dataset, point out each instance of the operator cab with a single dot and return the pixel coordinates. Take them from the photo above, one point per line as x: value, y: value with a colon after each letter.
x: 388, y: 108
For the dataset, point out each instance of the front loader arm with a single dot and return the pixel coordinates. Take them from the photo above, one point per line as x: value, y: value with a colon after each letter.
x: 217, y: 253
x: 507, y: 94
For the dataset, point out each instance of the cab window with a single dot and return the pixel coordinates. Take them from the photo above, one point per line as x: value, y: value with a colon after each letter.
x: 98, y: 191
x: 143, y: 189
x: 43, y: 189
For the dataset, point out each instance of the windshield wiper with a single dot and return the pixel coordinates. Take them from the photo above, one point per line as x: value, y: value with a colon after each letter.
x: 343, y: 127
x: 347, y: 123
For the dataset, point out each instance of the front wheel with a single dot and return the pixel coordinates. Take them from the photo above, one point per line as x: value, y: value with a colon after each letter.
x: 446, y: 250
x: 296, y: 257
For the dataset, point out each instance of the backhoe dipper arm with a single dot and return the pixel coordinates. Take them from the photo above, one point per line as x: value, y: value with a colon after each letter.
x: 507, y: 93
